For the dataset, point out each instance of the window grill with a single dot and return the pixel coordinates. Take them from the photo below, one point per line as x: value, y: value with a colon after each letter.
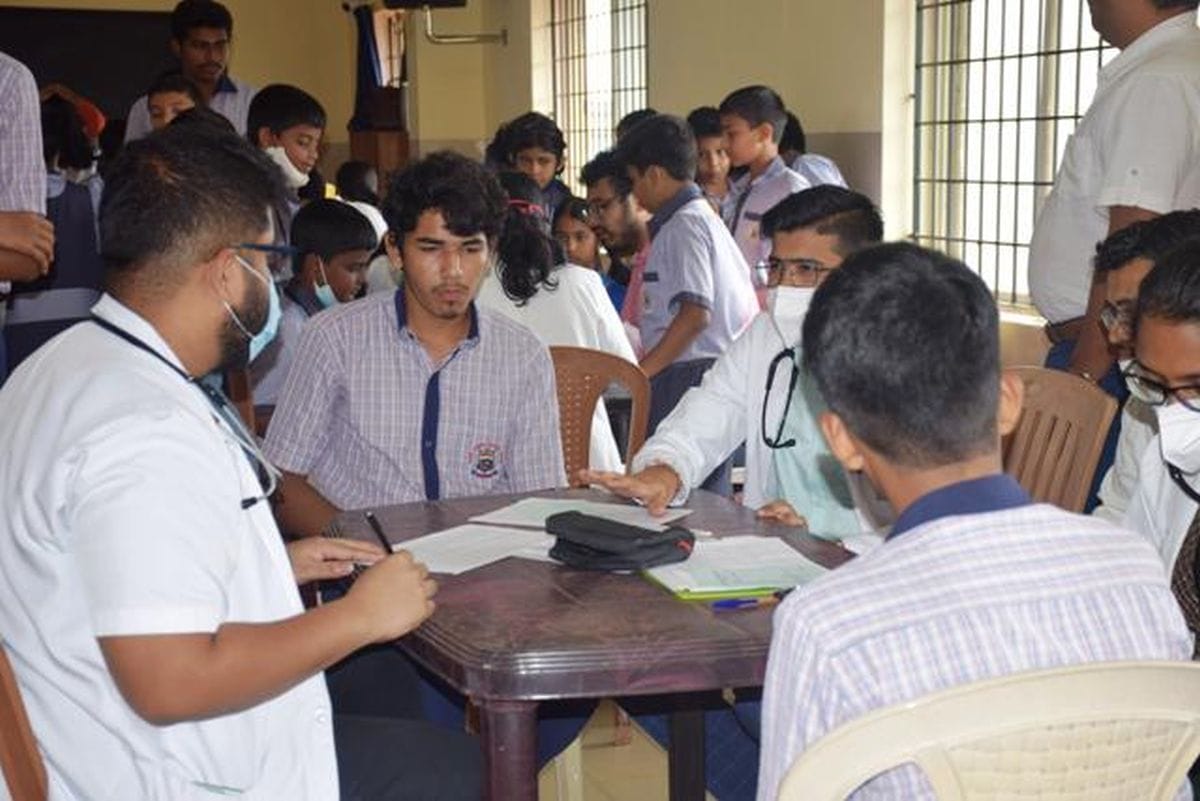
x: 599, y: 56
x: 1000, y: 87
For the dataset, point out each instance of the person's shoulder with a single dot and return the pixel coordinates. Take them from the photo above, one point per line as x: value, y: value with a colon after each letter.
x: 499, y: 330
x: 12, y: 68
x: 346, y: 317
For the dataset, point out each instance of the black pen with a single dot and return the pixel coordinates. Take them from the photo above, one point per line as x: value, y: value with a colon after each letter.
x: 378, y: 529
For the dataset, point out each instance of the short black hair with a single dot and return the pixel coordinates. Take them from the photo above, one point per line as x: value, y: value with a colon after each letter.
x: 466, y: 194
x: 351, y: 181
x: 704, y: 121
x: 793, y: 135
x: 607, y: 165
x: 848, y: 215
x: 663, y: 140
x: 191, y: 14
x: 630, y: 120
x: 1147, y: 239
x: 532, y: 129
x: 757, y: 105
x: 280, y: 106
x: 574, y: 207
x: 63, y: 137
x: 176, y: 197
x: 174, y: 81
x: 326, y: 228
x: 1171, y: 290
x: 904, y: 345
x: 204, y: 118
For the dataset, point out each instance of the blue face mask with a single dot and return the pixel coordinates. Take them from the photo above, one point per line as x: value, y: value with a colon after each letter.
x: 271, y: 326
x: 324, y: 291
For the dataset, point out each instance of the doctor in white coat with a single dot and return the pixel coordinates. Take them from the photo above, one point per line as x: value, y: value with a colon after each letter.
x: 746, y: 394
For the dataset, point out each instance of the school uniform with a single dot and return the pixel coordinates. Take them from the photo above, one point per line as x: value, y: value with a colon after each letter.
x: 231, y: 100
x: 748, y: 200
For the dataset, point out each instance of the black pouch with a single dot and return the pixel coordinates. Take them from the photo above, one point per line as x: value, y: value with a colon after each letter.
x: 594, y: 543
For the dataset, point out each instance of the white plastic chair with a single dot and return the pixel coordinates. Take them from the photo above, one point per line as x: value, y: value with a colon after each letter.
x: 1119, y: 731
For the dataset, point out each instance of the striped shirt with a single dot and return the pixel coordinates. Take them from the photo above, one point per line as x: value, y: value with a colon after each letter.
x: 371, y: 420
x: 953, y: 600
x: 22, y: 171
x: 748, y: 200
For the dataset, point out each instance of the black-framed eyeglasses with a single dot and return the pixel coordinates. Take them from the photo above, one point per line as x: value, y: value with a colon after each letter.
x: 800, y: 271
x: 1157, y: 393
x: 777, y: 442
x: 276, y: 254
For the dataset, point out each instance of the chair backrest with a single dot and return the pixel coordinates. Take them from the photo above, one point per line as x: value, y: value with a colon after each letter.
x: 582, y: 377
x: 1057, y: 443
x: 1118, y: 731
x: 24, y: 771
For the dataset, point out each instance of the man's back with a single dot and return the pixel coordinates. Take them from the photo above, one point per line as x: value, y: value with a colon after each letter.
x: 954, y: 601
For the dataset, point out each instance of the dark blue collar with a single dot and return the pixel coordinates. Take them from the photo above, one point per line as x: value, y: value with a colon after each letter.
x: 304, y: 298
x: 402, y: 315
x: 973, y: 497
x: 665, y: 212
x: 225, y: 84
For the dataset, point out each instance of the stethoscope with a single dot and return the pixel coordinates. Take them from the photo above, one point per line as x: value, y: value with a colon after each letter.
x: 268, y: 474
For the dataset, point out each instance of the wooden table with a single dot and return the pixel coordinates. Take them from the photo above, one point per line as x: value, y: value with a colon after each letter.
x: 517, y: 632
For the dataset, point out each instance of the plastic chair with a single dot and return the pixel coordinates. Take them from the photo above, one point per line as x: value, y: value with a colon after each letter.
x: 24, y: 771
x: 1117, y: 731
x: 1057, y: 443
x: 582, y: 376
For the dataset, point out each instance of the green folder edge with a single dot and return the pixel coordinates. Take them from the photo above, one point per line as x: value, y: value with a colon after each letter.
x: 715, y: 595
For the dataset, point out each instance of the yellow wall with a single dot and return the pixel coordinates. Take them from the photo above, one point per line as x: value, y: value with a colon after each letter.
x: 275, y: 41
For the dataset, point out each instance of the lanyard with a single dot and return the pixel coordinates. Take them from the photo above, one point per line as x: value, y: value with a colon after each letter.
x: 221, y: 405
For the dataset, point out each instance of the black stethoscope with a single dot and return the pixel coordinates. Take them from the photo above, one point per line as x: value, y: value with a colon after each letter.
x: 777, y: 442
x: 265, y: 472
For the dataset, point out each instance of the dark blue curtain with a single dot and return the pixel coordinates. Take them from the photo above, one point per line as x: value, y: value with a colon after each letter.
x: 369, y: 76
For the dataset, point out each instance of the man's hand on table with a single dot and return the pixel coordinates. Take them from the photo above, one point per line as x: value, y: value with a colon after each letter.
x: 392, y: 597
x: 655, y: 487
x: 781, y: 512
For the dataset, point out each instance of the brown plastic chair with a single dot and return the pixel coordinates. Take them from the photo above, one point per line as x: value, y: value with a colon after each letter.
x: 582, y: 376
x: 24, y: 771
x: 1057, y: 442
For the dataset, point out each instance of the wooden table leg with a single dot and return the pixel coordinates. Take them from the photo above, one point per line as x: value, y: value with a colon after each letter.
x: 686, y: 755
x: 509, y: 730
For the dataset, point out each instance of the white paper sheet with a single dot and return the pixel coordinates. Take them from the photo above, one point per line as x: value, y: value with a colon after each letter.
x: 532, y: 512
x: 738, y: 563
x: 462, y: 548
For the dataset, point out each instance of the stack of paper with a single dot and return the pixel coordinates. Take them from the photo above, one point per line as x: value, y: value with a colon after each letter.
x: 532, y: 512
x: 736, y: 567
x: 462, y: 548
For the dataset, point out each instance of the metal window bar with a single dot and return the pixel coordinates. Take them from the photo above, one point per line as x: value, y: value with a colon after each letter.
x: 599, y: 73
x: 1000, y: 86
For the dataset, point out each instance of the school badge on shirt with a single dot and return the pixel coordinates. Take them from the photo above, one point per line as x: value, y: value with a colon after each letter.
x: 485, y: 460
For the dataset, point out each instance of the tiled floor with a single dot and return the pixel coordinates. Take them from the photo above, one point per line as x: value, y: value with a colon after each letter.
x: 618, y: 764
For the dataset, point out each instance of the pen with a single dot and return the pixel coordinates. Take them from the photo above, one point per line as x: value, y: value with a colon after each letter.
x: 750, y: 603
x: 378, y: 529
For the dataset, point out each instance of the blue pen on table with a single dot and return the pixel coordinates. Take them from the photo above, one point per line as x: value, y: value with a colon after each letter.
x: 728, y: 604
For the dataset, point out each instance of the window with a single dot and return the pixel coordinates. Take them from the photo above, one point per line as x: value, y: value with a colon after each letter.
x: 599, y: 51
x: 1001, y: 85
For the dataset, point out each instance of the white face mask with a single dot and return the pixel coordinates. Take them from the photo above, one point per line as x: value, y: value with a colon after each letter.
x: 292, y: 175
x: 787, y: 306
x: 1179, y: 428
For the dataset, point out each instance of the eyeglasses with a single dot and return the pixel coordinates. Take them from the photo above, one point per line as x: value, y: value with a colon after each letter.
x: 777, y: 442
x: 800, y: 271
x: 598, y: 207
x: 1156, y: 393
x: 1116, y: 315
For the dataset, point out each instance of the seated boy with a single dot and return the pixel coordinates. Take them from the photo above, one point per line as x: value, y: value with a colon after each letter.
x: 746, y: 394
x: 169, y: 96
x: 332, y: 243
x: 697, y: 290
x: 974, y: 581
x: 418, y: 394
x: 752, y: 119
x: 287, y: 123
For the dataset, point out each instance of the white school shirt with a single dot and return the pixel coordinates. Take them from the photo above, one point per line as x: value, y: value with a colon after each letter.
x: 1138, y: 145
x: 1138, y: 427
x: 748, y: 200
x: 123, y: 517
x: 231, y: 101
x: 577, y: 312
x: 818, y: 170
x: 1159, y: 510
